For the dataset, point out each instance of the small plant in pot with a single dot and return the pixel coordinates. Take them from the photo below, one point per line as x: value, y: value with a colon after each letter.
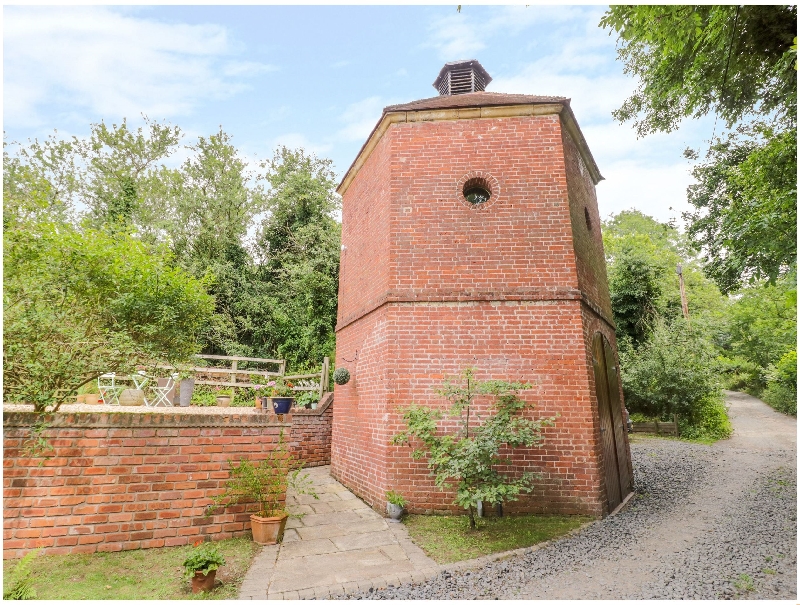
x: 185, y: 385
x: 224, y: 397
x: 395, y: 503
x: 201, y: 566
x: 265, y: 482
x: 282, y: 393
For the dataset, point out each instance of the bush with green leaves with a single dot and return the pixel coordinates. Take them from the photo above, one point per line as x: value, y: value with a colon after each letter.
x: 781, y: 391
x: 81, y: 302
x: 469, y: 460
x: 674, y: 372
x: 265, y: 481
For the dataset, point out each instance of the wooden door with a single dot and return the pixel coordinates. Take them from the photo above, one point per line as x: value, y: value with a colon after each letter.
x: 625, y: 478
x: 610, y: 464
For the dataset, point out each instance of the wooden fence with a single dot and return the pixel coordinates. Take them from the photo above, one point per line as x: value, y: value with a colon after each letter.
x: 658, y: 428
x: 232, y: 375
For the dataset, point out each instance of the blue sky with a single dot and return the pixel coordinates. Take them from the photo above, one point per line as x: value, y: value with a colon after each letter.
x: 318, y: 77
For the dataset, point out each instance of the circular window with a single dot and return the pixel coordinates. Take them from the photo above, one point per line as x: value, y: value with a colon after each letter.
x: 478, y: 190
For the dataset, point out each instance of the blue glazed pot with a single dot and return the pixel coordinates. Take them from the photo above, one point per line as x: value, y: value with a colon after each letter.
x: 282, y: 405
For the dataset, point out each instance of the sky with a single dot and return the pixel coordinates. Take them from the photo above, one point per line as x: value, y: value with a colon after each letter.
x: 318, y: 77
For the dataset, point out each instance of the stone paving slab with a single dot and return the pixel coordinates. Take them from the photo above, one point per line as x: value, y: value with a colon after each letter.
x: 339, y: 546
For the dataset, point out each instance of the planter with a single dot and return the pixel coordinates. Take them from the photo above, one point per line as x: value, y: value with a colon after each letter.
x: 203, y: 583
x: 259, y: 404
x: 268, y: 530
x: 81, y: 398
x: 224, y: 401
x: 395, y: 511
x: 92, y: 398
x: 131, y: 397
x: 282, y: 405
x: 186, y: 390
x: 314, y: 405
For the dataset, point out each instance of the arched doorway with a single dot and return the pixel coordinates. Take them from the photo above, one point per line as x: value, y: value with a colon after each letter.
x: 612, y: 426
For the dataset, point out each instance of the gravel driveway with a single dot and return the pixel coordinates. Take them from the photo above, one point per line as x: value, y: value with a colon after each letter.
x: 708, y: 522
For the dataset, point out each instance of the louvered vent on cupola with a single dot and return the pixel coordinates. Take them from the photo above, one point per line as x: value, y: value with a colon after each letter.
x: 461, y: 77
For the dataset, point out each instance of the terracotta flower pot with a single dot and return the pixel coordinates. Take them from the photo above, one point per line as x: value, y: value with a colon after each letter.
x: 268, y: 530
x: 92, y: 398
x: 81, y: 398
x: 203, y: 583
x: 223, y: 401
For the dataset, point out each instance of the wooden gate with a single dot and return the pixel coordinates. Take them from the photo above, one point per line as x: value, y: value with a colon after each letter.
x: 612, y: 425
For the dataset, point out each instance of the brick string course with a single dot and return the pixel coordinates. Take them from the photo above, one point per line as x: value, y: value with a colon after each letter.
x: 430, y: 286
x: 122, y: 481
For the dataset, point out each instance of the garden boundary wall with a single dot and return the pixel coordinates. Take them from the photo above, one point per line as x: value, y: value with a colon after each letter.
x: 121, y: 481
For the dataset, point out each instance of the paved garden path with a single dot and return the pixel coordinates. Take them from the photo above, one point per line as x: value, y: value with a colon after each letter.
x: 339, y: 546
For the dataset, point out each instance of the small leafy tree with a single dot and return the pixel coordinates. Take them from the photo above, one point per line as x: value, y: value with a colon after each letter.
x: 265, y: 481
x: 470, y: 459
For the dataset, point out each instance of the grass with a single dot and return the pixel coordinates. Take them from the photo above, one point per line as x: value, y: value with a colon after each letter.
x: 153, y: 573
x: 744, y: 583
x: 447, y: 539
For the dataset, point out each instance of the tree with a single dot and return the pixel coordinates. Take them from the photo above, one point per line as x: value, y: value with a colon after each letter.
x: 81, y: 302
x: 746, y: 206
x: 739, y: 62
x: 689, y: 60
x: 299, y: 246
x: 642, y: 256
x: 123, y: 181
x: 470, y: 460
x: 674, y: 372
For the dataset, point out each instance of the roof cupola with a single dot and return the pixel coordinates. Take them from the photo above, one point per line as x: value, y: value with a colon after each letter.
x: 462, y: 77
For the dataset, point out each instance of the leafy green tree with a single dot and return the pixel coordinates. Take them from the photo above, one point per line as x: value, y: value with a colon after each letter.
x: 690, y: 60
x: 470, y: 459
x: 739, y: 62
x: 299, y: 246
x: 123, y: 179
x: 674, y: 372
x: 746, y: 206
x: 642, y: 256
x: 81, y: 302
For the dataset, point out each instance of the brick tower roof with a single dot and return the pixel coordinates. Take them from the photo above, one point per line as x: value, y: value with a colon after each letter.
x: 474, y: 99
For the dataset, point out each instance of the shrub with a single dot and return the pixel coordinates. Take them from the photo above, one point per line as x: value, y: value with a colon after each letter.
x: 470, y: 460
x: 740, y: 374
x: 675, y: 372
x: 80, y: 302
x: 781, y: 391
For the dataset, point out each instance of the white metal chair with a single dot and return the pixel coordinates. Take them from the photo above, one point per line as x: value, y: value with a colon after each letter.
x: 162, y: 392
x: 109, y: 389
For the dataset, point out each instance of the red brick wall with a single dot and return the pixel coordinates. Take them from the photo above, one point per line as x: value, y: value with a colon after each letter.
x: 311, y: 433
x: 123, y: 481
x: 498, y: 289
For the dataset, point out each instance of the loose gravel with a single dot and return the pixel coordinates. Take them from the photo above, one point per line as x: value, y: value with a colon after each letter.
x: 707, y: 522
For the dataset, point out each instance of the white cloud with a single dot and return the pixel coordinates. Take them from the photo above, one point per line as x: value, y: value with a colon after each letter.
x: 653, y: 189
x: 360, y: 118
x: 104, y: 61
x: 456, y: 37
x: 293, y: 140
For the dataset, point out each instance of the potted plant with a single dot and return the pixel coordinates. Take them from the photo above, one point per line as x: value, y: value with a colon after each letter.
x: 265, y: 482
x: 201, y: 566
x: 394, y: 505
x: 260, y: 402
x: 224, y: 397
x: 282, y: 394
x: 306, y: 400
x: 186, y: 385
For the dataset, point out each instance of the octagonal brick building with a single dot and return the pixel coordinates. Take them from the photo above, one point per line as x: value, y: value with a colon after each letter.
x: 471, y: 237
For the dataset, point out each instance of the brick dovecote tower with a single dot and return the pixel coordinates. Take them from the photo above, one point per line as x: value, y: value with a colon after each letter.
x: 471, y: 237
